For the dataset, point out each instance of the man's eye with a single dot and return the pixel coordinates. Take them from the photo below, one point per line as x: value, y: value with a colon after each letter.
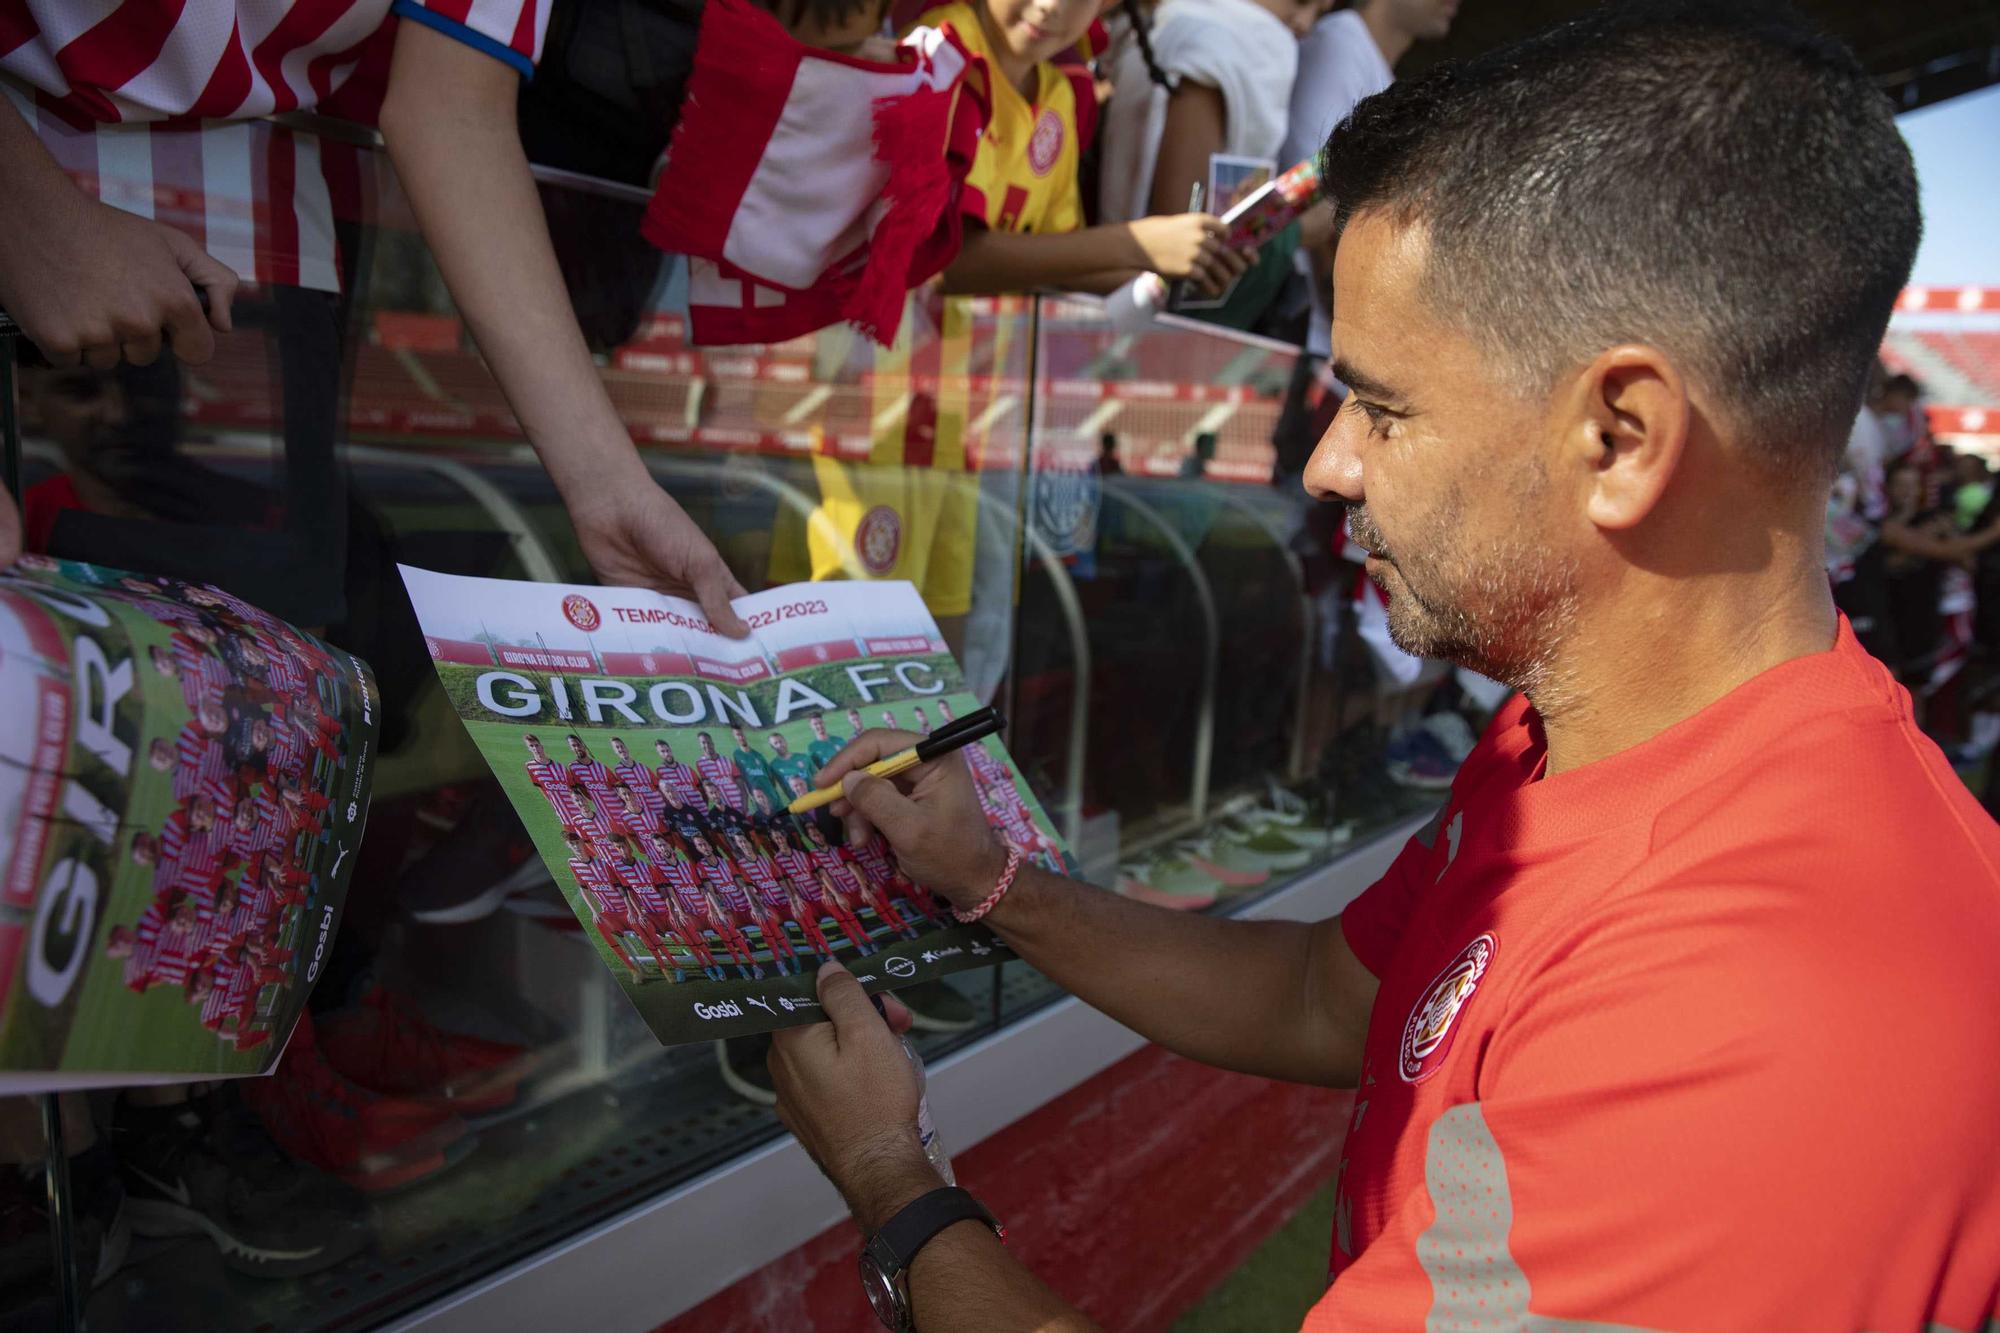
x: 1378, y: 417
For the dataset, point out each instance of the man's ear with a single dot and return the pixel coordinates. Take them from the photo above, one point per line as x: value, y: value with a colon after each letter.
x: 1629, y: 418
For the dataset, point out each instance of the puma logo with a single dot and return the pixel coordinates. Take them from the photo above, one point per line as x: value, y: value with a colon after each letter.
x: 342, y: 856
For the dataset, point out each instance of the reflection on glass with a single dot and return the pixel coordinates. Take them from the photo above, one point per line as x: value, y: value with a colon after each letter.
x: 1195, y: 693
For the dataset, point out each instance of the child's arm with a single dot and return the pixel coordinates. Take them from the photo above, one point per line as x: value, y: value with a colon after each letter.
x: 1188, y: 245
x: 1196, y: 129
x: 449, y: 124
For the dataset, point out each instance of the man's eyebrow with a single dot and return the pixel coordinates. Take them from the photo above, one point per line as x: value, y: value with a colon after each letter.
x: 1363, y: 383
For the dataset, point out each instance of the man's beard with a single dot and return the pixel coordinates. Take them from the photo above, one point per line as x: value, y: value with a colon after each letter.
x: 1499, y: 606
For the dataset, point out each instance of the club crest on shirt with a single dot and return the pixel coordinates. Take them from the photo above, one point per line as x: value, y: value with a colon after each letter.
x: 581, y: 612
x: 878, y: 539
x: 1046, y: 144
x: 1427, y: 1033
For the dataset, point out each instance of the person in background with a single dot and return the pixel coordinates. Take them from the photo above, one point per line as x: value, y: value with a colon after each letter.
x: 91, y: 283
x: 1023, y: 205
x: 1107, y: 456
x: 1350, y: 54
x: 1902, y: 421
x: 1971, y: 489
x: 1212, y: 77
x: 1195, y: 465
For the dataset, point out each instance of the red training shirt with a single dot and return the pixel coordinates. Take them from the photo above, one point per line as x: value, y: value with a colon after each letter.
x: 1696, y: 1036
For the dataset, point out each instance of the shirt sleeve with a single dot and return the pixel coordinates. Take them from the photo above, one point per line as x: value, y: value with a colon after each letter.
x: 1374, y: 922
x: 511, y: 31
x: 1327, y: 88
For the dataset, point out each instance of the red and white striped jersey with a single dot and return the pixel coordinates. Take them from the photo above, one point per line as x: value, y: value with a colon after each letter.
x: 594, y: 776
x: 874, y: 860
x: 144, y: 104
x: 266, y: 829
x: 201, y: 674
x: 599, y: 888
x: 716, y: 870
x: 645, y: 886
x: 643, y: 784
x: 722, y: 772
x: 643, y: 823
x: 198, y: 761
x: 190, y: 858
x: 763, y: 875
x: 284, y: 671
x: 797, y: 867
x: 235, y: 986
x: 685, y: 881
x: 287, y: 754
x: 183, y: 949
x: 831, y: 861
x: 682, y: 779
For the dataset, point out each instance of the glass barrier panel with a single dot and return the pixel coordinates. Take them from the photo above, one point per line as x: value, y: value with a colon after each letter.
x: 1202, y: 684
x: 1194, y: 692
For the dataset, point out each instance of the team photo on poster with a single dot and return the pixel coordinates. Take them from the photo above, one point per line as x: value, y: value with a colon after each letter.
x: 653, y: 761
x: 183, y: 785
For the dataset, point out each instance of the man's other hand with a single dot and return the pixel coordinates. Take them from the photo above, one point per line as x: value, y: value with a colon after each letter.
x: 94, y: 284
x: 930, y: 815
x: 638, y: 537
x: 848, y: 1092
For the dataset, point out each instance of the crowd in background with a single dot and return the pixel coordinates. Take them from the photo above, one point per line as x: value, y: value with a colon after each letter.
x: 1912, y: 528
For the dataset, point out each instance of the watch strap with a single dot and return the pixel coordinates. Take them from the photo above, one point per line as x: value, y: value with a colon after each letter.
x: 902, y: 1236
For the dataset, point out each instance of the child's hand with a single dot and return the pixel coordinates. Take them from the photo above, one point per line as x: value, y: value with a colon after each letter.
x: 1188, y: 245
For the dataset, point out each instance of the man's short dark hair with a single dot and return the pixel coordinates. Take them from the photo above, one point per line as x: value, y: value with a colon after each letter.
x: 1716, y: 180
x: 1903, y: 384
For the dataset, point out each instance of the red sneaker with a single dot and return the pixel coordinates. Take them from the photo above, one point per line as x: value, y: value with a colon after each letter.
x: 371, y: 1142
x: 386, y: 1045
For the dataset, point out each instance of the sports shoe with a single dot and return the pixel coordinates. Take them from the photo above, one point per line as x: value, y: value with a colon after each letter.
x: 743, y: 1065
x: 1169, y: 881
x: 1224, y: 863
x: 362, y: 1138
x: 99, y: 1227
x: 936, y: 1007
x: 1415, y: 758
x: 386, y: 1046
x: 207, y: 1168
x: 471, y: 871
x: 1262, y: 844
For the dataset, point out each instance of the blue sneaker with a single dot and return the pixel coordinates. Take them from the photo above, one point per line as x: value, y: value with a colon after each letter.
x: 1416, y: 758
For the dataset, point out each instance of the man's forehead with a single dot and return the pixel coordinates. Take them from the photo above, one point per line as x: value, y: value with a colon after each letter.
x: 1378, y: 273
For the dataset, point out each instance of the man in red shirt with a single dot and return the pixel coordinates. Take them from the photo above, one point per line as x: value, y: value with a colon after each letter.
x: 1679, y: 1014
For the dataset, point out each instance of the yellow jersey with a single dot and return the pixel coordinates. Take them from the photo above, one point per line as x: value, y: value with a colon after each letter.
x: 1024, y: 177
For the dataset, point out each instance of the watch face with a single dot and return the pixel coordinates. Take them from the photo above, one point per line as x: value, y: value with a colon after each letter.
x: 882, y: 1294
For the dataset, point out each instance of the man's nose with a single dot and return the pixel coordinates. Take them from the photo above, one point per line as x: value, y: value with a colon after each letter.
x: 1333, y: 473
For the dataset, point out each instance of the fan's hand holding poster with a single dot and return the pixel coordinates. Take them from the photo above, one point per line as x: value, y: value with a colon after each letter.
x: 652, y: 760
x: 183, y: 786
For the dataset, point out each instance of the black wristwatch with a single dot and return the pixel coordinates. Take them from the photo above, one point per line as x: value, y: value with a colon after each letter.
x: 886, y: 1258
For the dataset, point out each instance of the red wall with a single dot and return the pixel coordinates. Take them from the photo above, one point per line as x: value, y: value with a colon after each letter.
x: 1132, y: 1195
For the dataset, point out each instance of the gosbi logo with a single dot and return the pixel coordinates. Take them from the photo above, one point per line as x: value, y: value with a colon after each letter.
x: 581, y: 612
x: 1045, y: 145
x: 1427, y: 1034
x: 878, y: 539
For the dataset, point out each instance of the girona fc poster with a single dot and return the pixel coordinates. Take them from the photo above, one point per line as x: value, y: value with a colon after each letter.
x: 183, y: 787
x: 651, y: 759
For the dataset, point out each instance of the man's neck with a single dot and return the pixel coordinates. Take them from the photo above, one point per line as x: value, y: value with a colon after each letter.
x: 1671, y: 647
x: 1390, y: 38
